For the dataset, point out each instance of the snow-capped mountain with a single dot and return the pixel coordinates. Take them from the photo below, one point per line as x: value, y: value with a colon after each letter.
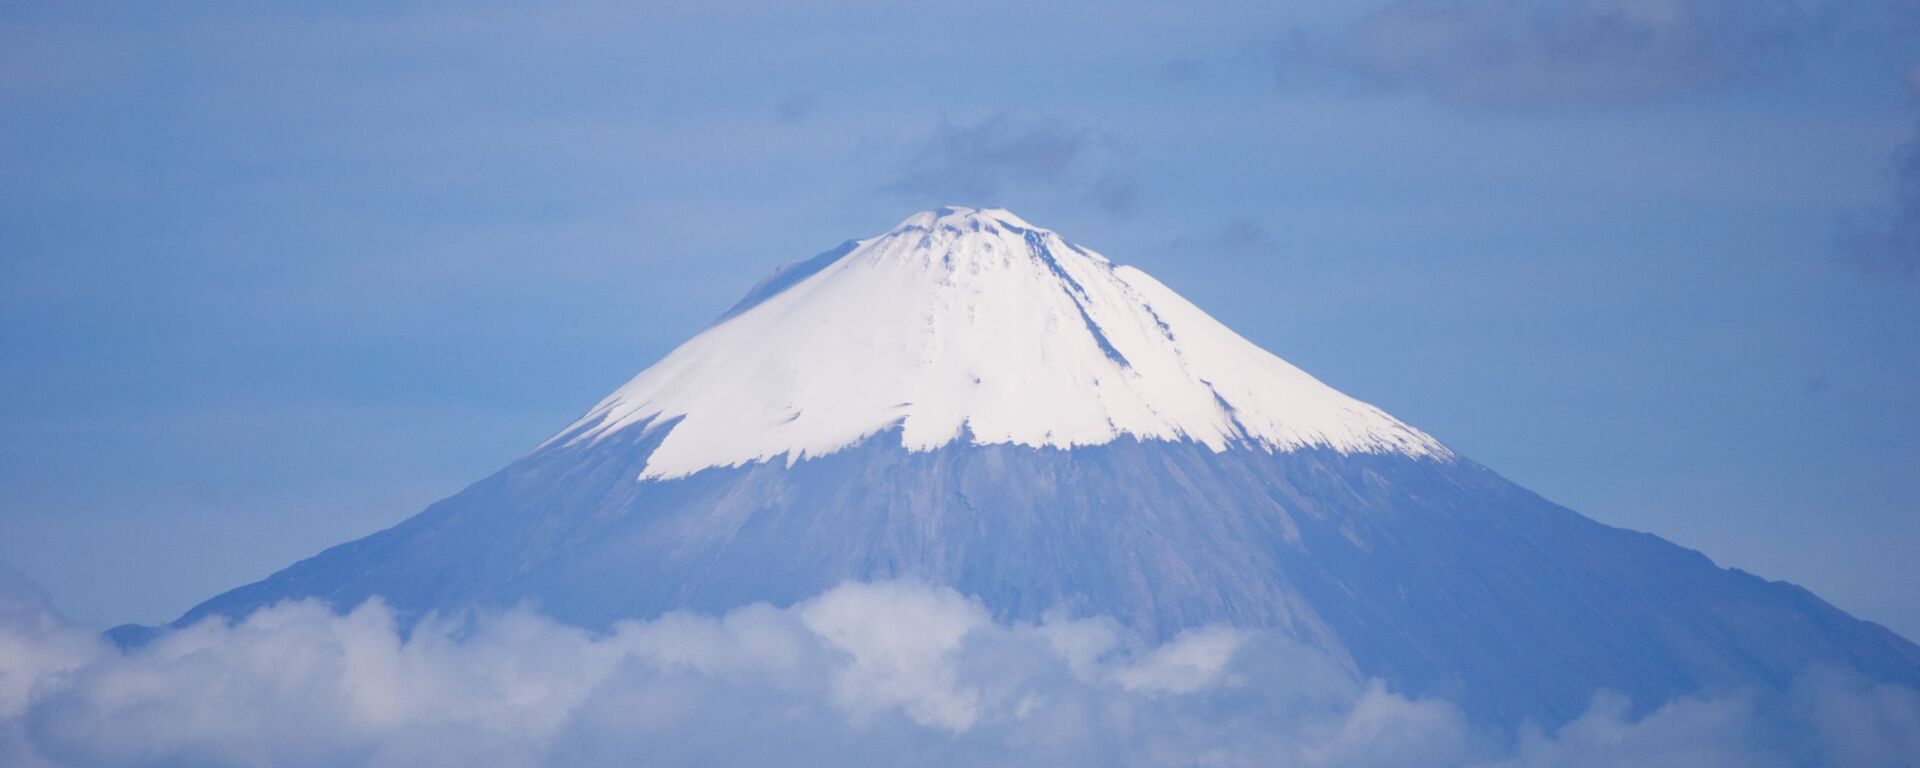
x: 976, y: 325
x: 971, y: 400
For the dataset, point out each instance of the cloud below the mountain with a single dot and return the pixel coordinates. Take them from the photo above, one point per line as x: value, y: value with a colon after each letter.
x: 885, y: 673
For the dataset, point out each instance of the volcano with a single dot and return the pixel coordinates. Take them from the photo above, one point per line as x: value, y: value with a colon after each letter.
x: 973, y: 401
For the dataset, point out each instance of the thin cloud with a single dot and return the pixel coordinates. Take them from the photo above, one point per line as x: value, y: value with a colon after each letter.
x: 1240, y: 239
x: 1886, y: 243
x: 796, y: 107
x: 1521, y: 52
x: 1185, y: 70
x: 1008, y: 156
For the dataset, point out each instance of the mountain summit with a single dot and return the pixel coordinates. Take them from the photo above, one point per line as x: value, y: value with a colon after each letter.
x: 973, y: 401
x: 979, y: 325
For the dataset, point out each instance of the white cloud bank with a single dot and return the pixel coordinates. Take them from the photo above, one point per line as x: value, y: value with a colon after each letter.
x: 866, y: 674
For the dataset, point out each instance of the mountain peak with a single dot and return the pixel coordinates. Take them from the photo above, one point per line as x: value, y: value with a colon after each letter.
x: 973, y: 324
x: 962, y: 218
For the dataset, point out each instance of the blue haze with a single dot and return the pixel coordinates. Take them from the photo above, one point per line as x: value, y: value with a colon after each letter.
x: 270, y: 280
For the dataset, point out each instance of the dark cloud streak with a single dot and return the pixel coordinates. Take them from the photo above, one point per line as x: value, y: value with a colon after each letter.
x: 1885, y: 244
x: 1241, y: 239
x: 1009, y: 156
x: 1524, y: 53
x: 796, y: 107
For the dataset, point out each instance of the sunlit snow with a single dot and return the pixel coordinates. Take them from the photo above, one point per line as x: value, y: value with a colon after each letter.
x: 975, y: 324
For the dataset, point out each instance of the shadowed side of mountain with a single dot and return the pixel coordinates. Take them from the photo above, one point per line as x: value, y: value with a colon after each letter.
x: 1438, y: 576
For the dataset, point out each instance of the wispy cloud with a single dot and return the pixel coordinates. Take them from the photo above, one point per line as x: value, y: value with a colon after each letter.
x: 1525, y: 52
x: 1007, y: 155
x: 796, y: 107
x: 1241, y: 239
x: 886, y: 673
x: 1886, y: 243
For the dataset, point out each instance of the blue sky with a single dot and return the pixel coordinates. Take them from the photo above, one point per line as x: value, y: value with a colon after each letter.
x: 271, y: 279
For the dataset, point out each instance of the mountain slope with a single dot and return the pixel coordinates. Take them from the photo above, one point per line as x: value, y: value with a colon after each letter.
x: 972, y: 401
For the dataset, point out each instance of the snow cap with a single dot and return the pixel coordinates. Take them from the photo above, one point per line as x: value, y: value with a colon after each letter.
x: 973, y: 324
